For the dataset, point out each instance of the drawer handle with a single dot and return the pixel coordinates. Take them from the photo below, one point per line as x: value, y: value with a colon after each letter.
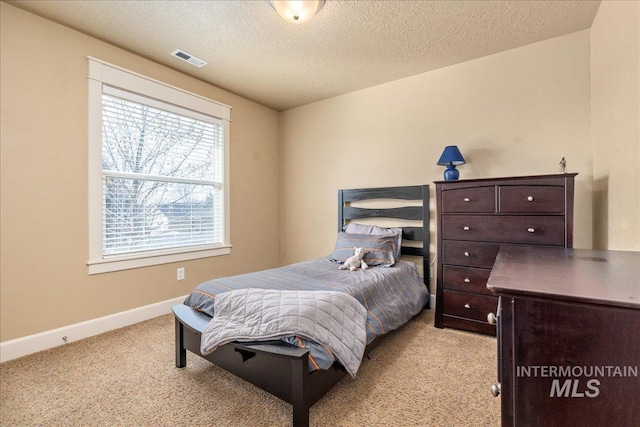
x: 495, y: 390
x: 466, y: 199
x: 466, y: 228
x: 467, y: 280
x: 467, y: 306
x: 466, y: 254
x: 491, y: 318
x: 530, y: 198
x: 531, y: 230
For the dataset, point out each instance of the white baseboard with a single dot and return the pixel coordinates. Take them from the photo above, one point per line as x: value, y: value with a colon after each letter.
x: 44, y: 340
x: 432, y: 301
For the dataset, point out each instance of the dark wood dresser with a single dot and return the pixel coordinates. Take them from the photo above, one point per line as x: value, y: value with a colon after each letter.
x: 474, y: 218
x: 568, y: 336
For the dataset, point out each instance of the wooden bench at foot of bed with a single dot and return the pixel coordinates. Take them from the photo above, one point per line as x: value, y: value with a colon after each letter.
x: 276, y: 367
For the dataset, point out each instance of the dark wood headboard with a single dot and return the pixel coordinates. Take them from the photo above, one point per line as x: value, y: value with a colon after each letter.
x: 421, y: 213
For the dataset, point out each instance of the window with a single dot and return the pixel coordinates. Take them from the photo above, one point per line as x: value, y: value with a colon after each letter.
x: 158, y: 172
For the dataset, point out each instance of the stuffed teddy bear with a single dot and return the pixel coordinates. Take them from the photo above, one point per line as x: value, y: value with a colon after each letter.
x: 352, y: 263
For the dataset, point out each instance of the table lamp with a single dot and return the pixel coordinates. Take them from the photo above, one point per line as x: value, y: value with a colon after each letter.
x: 451, y: 157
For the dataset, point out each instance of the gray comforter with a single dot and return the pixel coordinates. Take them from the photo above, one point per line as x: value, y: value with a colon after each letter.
x: 332, y: 319
x: 391, y: 296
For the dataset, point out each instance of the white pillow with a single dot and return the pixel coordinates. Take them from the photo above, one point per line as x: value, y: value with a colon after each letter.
x: 354, y: 228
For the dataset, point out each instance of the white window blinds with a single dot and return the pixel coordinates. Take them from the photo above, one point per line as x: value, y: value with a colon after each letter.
x: 162, y: 175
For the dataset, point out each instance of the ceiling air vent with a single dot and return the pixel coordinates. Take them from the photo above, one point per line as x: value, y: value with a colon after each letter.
x: 178, y: 53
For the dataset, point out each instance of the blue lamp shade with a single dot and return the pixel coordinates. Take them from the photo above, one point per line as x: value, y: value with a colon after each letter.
x: 451, y: 157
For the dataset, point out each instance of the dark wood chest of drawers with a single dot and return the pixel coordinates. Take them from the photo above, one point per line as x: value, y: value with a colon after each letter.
x: 474, y: 218
x: 568, y: 340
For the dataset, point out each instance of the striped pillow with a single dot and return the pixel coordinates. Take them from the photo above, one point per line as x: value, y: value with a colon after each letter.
x: 380, y: 250
x: 355, y: 228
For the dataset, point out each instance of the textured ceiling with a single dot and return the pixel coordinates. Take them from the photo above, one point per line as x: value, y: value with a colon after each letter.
x: 349, y: 45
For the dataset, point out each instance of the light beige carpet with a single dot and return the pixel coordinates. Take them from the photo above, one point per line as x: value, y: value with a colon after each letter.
x: 418, y: 376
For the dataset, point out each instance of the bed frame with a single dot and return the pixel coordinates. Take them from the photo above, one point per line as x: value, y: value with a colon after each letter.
x: 283, y: 369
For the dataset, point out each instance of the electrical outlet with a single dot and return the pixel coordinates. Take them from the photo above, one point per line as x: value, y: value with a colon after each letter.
x: 180, y: 273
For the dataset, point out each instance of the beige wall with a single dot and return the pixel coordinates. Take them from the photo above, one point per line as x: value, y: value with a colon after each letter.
x: 44, y: 280
x: 514, y: 113
x: 615, y: 123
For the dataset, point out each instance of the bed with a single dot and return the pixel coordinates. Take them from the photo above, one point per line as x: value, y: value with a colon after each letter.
x: 287, y: 368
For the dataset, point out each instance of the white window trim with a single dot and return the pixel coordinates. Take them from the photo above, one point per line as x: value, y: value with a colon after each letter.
x: 102, y: 73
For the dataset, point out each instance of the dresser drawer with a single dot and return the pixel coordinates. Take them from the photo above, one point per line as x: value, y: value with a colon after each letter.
x: 468, y: 325
x: 535, y: 230
x: 465, y: 279
x: 531, y: 199
x: 471, y: 254
x: 470, y: 306
x: 472, y: 200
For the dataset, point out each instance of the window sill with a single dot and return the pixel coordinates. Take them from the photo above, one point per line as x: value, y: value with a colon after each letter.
x: 118, y: 264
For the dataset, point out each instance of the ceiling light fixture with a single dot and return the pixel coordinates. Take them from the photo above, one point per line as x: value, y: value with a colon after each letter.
x: 297, y: 11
